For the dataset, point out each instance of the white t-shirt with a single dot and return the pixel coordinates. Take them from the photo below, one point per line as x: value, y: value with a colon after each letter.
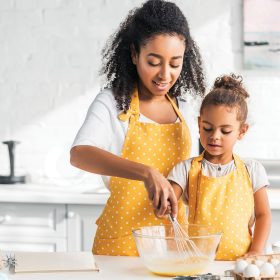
x: 256, y: 171
x: 103, y: 129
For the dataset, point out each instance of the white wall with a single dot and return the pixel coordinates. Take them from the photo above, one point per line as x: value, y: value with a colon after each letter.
x: 49, y: 60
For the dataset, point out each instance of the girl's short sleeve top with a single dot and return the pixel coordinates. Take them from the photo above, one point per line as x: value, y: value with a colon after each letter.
x: 256, y: 171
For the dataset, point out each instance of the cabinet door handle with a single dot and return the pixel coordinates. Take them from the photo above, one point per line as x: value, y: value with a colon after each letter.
x: 70, y: 214
x: 5, y: 218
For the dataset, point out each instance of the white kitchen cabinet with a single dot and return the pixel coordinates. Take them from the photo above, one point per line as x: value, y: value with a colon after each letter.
x: 45, y: 220
x: 81, y: 226
x: 275, y: 228
x: 32, y: 244
x: 47, y: 227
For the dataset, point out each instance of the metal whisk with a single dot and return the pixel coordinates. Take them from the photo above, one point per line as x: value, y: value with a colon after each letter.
x: 186, y: 247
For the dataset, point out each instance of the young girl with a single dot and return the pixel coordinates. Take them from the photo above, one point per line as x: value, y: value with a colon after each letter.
x: 222, y: 190
x: 135, y: 131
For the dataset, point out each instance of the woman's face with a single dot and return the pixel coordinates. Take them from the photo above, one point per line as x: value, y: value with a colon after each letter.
x: 159, y: 64
x: 219, y: 130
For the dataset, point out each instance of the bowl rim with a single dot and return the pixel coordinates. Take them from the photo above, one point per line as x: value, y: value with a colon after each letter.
x: 134, y: 233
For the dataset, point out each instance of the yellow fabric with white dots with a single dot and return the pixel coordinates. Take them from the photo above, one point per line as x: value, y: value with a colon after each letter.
x: 161, y: 146
x: 226, y: 203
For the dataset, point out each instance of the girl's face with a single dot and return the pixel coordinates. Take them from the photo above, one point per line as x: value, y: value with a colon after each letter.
x: 219, y: 130
x: 159, y: 64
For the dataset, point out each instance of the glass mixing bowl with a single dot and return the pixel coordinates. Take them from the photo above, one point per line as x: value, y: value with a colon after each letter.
x: 166, y: 255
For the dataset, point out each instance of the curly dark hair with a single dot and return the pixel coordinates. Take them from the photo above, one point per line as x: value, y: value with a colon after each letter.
x: 228, y: 90
x: 153, y: 18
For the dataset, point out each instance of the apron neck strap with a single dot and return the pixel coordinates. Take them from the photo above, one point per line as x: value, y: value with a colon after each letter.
x: 199, y: 158
x: 175, y: 107
x: 133, y: 108
x: 240, y: 166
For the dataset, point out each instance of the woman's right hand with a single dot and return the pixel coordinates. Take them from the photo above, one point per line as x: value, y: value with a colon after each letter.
x: 161, y: 193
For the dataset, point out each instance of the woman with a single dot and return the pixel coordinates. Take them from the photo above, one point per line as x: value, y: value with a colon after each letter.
x: 134, y: 131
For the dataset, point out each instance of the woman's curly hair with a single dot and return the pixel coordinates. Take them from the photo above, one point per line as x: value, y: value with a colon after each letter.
x: 153, y: 18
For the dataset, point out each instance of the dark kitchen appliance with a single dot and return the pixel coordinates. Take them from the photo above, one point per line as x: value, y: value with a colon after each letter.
x: 11, y: 179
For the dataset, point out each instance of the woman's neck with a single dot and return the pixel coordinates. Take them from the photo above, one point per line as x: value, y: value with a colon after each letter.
x: 156, y: 107
x: 146, y: 96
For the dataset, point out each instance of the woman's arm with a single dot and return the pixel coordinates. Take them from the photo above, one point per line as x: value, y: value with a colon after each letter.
x: 95, y: 160
x: 263, y: 222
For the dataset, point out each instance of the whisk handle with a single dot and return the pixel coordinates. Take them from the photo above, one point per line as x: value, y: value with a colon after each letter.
x: 171, y: 218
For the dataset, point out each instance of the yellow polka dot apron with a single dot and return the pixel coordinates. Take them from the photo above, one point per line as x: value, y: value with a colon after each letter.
x: 226, y: 203
x: 160, y: 146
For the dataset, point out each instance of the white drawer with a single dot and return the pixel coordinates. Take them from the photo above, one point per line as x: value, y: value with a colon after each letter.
x: 18, y: 219
x: 32, y: 244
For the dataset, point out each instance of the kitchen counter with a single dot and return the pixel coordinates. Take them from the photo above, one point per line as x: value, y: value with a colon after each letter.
x: 114, y: 268
x: 35, y: 193
x: 32, y: 193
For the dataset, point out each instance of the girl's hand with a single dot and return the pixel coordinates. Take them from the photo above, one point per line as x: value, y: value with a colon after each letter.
x: 161, y: 193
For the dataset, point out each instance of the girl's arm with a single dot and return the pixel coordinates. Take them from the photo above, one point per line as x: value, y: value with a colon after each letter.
x: 177, y: 189
x: 95, y: 160
x: 263, y: 222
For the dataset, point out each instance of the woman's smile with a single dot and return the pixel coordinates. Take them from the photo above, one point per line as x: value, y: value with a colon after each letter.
x: 161, y: 85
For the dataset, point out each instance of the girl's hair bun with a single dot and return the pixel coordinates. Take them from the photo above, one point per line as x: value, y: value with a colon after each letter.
x: 228, y: 91
x: 231, y: 82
